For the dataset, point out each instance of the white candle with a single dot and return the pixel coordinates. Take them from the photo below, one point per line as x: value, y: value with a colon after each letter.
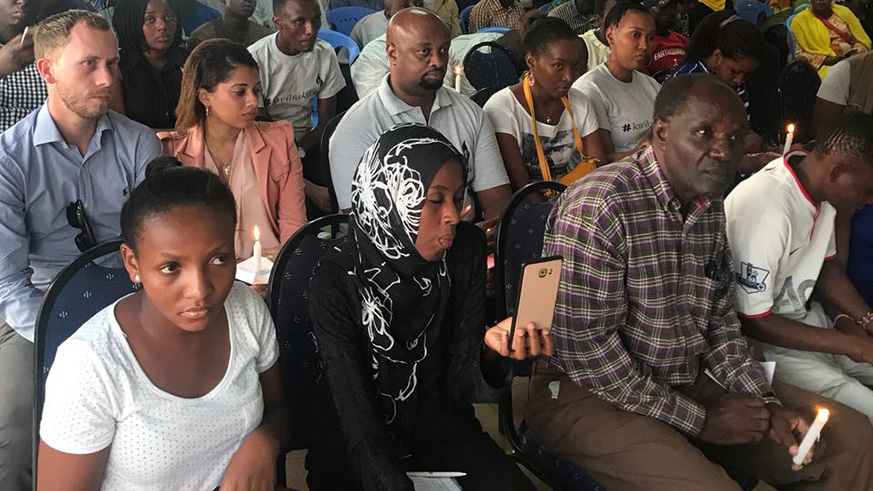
x: 789, y: 138
x: 458, y: 72
x: 256, y: 250
x: 811, y: 436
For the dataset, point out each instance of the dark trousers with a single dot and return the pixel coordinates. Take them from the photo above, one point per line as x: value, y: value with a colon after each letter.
x: 487, y: 466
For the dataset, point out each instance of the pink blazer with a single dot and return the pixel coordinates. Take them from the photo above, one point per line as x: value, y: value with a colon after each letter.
x: 277, y: 168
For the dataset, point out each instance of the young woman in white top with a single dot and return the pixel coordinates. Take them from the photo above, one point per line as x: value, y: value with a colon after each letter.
x: 176, y: 386
x: 545, y: 129
x: 624, y: 97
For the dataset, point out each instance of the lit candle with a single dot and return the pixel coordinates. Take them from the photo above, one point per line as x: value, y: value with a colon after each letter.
x: 811, y: 436
x: 256, y: 250
x: 789, y: 138
x: 458, y: 72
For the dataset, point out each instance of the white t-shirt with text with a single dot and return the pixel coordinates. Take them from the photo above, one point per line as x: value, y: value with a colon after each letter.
x: 510, y: 117
x: 780, y: 239
x: 623, y: 108
x: 290, y: 83
x: 97, y: 395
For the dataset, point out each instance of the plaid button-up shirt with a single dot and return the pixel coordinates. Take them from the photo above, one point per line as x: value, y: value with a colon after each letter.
x: 645, y: 300
x: 490, y: 13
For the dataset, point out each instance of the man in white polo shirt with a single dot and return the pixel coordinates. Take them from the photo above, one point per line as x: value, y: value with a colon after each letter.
x: 417, y: 47
x: 780, y: 226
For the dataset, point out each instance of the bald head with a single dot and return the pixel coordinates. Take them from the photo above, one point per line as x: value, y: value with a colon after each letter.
x: 678, y: 92
x: 415, y: 23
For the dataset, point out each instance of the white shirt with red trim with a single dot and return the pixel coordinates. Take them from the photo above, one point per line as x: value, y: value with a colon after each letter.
x: 780, y: 238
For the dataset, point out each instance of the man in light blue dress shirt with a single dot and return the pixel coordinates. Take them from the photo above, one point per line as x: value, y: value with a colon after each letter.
x: 69, y: 150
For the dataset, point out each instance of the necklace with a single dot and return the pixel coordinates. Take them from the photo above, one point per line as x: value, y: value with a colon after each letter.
x: 549, y: 119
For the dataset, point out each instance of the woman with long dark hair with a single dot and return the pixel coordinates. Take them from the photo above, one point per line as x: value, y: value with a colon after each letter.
x: 149, y: 37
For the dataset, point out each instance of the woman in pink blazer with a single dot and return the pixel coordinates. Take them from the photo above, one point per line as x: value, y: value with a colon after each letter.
x: 216, y: 130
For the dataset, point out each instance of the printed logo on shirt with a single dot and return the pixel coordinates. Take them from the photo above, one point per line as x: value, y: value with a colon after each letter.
x: 752, y: 278
x: 791, y: 298
x: 636, y: 126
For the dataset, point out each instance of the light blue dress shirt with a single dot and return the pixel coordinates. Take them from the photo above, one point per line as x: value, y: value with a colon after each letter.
x: 39, y: 176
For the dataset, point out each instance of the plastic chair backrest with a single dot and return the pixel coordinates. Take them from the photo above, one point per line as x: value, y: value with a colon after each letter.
x: 546, y: 7
x: 792, y: 42
x: 325, y: 157
x: 83, y: 288
x: 465, y: 19
x: 751, y: 10
x: 339, y: 40
x: 288, y: 298
x: 497, y: 29
x: 343, y: 19
x: 489, y: 64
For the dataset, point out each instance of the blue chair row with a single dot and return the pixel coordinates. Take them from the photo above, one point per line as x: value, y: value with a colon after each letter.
x: 339, y: 41
x: 343, y: 19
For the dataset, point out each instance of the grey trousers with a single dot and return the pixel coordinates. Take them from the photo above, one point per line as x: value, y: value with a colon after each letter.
x: 16, y: 410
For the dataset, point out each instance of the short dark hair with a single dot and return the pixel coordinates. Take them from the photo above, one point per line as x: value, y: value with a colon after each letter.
x: 207, y: 66
x: 278, y: 4
x: 128, y: 19
x: 673, y: 96
x: 168, y: 185
x: 544, y: 31
x: 734, y: 37
x: 850, y: 135
x: 616, y: 13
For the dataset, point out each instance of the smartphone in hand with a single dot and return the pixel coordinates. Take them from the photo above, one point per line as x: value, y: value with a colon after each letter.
x: 537, y: 294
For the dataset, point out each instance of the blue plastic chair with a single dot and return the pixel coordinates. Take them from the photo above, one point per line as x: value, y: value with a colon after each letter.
x: 343, y: 19
x: 339, y: 40
x: 751, y: 10
x: 791, y: 41
x: 465, y: 18
x: 501, y: 30
x: 546, y: 7
x: 84, y: 287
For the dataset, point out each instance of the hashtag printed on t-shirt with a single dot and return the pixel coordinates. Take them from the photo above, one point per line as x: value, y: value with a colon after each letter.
x: 623, y: 108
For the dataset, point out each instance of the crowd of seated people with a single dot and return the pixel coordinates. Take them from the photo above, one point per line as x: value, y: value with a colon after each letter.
x: 693, y: 248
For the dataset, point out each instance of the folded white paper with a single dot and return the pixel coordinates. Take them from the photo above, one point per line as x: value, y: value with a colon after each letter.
x: 245, y: 271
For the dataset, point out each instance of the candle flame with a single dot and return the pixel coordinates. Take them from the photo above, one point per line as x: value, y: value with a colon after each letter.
x: 823, y: 414
x: 791, y: 128
x: 257, y: 233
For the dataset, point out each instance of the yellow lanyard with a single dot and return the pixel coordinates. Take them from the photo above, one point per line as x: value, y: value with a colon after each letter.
x: 584, y: 166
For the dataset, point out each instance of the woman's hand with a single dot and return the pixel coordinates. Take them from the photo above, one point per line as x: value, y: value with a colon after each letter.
x: 527, y: 340
x: 253, y: 466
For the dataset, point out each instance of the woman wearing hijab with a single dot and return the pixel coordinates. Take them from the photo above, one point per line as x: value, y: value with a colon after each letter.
x: 398, y: 313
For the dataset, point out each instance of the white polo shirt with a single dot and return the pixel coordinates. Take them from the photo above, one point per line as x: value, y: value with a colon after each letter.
x: 780, y: 238
x: 455, y: 116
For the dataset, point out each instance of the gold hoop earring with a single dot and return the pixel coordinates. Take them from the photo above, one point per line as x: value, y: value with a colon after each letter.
x: 530, y: 80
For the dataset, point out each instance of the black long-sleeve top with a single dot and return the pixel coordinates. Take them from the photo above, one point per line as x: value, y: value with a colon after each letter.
x: 450, y: 378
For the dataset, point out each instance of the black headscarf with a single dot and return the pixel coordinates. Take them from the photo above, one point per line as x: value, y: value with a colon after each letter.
x: 402, y: 294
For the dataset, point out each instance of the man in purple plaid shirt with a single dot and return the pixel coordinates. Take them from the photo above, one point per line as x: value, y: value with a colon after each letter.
x: 652, y: 385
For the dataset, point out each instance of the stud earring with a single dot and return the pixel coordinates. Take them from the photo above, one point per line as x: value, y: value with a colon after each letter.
x: 136, y: 279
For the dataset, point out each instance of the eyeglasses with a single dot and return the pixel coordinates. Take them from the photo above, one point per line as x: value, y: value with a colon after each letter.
x: 77, y: 219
